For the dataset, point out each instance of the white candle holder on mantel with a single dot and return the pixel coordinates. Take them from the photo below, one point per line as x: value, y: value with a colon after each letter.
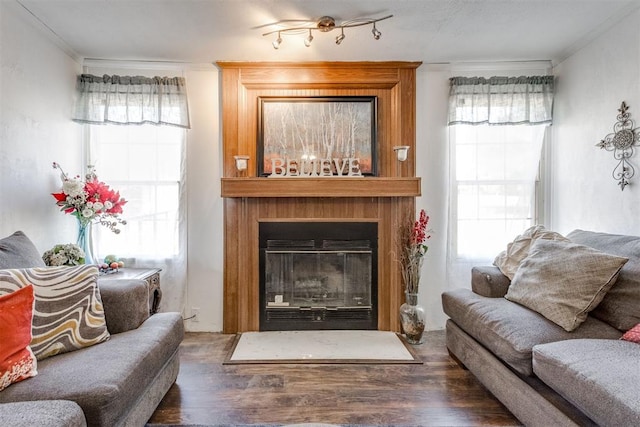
x: 242, y: 163
x: 401, y: 152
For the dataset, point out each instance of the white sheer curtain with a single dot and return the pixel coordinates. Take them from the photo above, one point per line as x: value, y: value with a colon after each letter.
x: 147, y: 164
x: 131, y: 100
x: 496, y: 133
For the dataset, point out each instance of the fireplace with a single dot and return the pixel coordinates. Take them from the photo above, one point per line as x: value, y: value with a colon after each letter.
x: 318, y: 275
x: 386, y: 199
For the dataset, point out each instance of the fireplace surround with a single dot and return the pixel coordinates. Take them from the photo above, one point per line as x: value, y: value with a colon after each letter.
x: 386, y: 200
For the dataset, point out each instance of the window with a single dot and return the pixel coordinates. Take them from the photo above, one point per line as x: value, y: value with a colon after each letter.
x: 144, y: 163
x: 494, y: 192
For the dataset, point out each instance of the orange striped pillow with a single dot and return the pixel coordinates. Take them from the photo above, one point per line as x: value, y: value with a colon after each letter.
x: 17, y: 361
x: 68, y: 312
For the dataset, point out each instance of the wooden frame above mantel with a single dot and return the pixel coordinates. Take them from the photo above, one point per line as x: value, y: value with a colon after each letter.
x: 387, y: 199
x: 392, y: 82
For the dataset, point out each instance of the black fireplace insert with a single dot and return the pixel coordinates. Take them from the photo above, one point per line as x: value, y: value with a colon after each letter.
x: 318, y: 275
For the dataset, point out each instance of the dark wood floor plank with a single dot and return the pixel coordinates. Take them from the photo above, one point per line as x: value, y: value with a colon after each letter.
x: 436, y: 393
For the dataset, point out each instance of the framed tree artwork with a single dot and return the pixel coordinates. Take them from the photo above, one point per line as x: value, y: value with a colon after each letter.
x: 324, y: 135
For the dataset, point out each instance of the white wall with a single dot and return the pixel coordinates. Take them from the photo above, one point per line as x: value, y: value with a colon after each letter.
x: 205, y: 213
x: 591, y: 85
x: 432, y: 83
x: 37, y: 81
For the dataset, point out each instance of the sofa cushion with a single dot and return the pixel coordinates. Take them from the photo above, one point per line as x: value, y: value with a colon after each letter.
x: 17, y: 361
x: 563, y: 281
x: 42, y: 413
x: 68, y: 310
x: 510, y: 330
x: 600, y: 377
x: 17, y: 251
x: 510, y: 259
x: 632, y: 335
x: 620, y: 307
x: 106, y: 380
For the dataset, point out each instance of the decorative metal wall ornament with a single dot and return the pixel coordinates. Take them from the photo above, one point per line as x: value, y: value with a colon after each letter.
x: 621, y: 142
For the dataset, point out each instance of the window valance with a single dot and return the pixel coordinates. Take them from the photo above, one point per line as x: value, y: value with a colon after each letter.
x: 501, y: 100
x: 131, y: 100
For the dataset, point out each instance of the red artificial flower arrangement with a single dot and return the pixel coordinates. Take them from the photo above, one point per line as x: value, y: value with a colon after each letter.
x: 91, y: 200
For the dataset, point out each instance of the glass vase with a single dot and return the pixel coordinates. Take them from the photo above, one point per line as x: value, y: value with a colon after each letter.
x: 84, y: 241
x: 412, y: 319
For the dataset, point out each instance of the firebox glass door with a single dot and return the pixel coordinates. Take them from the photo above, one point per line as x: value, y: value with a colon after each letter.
x: 310, y: 278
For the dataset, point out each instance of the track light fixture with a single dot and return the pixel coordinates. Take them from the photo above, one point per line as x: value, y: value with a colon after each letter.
x: 375, y: 32
x: 324, y: 25
x: 276, y: 43
x: 308, y: 40
x: 340, y: 37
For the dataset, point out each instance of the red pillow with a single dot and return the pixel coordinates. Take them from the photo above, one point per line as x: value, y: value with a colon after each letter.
x: 17, y: 361
x: 632, y: 334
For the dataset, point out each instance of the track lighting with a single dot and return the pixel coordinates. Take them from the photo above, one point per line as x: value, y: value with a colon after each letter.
x: 325, y: 24
x: 375, y: 32
x: 308, y: 40
x: 276, y: 43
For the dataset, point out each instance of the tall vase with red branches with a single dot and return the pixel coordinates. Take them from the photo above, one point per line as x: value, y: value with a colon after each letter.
x: 413, y: 249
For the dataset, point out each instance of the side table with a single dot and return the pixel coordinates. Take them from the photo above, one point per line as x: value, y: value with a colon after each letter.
x: 149, y: 275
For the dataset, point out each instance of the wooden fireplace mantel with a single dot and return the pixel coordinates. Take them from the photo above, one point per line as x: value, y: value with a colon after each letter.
x: 321, y: 187
x: 387, y: 199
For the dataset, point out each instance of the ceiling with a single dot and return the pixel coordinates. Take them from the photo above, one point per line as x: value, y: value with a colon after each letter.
x: 432, y: 31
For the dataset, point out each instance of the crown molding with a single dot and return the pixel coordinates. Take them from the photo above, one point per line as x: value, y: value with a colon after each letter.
x: 148, y: 65
x: 30, y: 17
x: 542, y: 65
x: 598, y: 31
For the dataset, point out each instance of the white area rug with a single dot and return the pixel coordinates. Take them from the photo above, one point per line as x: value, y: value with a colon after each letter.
x: 321, y: 347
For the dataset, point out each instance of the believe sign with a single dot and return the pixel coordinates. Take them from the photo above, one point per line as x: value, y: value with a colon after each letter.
x: 349, y: 167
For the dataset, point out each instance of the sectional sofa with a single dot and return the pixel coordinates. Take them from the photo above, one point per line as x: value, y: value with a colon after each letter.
x: 543, y: 373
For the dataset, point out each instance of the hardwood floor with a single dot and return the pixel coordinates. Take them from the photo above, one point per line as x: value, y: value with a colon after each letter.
x: 437, y: 393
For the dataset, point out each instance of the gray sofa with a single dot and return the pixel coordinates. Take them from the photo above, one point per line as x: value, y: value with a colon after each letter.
x: 543, y: 374
x: 118, y: 382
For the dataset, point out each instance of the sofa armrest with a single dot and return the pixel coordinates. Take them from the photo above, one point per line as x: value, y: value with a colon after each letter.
x: 489, y: 281
x: 126, y: 303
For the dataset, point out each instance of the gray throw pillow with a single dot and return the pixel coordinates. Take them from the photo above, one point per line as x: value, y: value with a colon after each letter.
x: 620, y: 307
x: 563, y: 281
x: 17, y: 251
